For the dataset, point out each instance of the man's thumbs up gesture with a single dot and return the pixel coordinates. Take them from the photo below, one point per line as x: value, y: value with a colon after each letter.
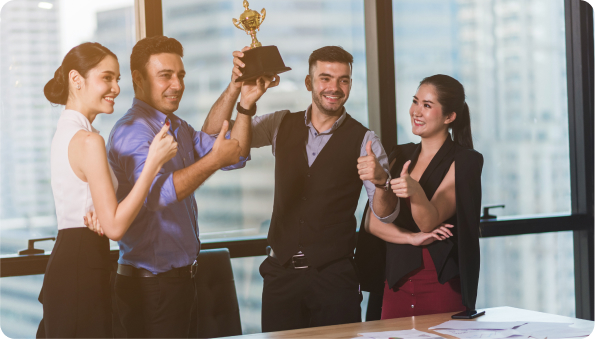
x: 370, y: 169
x: 226, y: 151
x: 405, y: 186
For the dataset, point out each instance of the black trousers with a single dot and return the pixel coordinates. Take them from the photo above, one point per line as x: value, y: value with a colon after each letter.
x: 300, y: 298
x: 155, y: 307
x: 76, y: 294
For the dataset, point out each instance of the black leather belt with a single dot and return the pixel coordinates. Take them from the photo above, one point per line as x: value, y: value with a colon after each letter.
x: 131, y: 271
x: 298, y: 261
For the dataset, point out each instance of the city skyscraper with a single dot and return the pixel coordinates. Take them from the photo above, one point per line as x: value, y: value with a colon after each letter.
x: 513, y: 65
x: 29, y: 53
x: 30, y: 49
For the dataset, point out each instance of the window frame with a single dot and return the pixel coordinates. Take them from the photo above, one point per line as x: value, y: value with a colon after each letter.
x: 382, y: 118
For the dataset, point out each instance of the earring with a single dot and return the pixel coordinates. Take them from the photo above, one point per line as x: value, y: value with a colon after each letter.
x: 78, y: 86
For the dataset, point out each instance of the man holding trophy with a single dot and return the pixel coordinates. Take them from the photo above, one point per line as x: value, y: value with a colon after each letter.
x: 322, y: 158
x: 154, y: 289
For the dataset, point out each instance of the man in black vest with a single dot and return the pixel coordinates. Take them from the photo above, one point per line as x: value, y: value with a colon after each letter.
x: 322, y: 158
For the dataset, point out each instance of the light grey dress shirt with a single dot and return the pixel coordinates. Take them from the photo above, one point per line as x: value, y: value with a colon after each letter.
x: 264, y: 133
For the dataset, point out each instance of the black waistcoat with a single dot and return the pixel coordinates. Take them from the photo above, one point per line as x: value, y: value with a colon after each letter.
x: 378, y: 260
x: 314, y: 207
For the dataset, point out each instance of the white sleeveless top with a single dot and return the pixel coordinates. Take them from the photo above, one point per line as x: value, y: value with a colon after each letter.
x: 72, y: 196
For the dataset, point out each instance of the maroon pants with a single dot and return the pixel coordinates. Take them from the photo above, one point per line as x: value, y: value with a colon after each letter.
x: 420, y: 293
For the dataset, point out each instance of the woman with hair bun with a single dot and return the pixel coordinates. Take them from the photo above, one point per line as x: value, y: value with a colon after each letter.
x: 76, y: 294
x: 427, y: 260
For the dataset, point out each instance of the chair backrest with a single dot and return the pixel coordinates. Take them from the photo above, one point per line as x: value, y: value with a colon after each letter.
x: 216, y: 310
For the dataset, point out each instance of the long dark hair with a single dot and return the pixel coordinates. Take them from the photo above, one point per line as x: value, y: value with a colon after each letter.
x: 451, y: 95
x: 81, y: 58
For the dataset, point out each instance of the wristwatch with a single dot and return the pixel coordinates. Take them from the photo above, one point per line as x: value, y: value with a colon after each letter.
x: 249, y: 112
x: 386, y: 185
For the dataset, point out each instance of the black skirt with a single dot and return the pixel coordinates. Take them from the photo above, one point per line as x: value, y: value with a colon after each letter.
x: 76, y: 288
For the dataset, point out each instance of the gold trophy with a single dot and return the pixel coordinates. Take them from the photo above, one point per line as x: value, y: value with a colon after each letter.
x: 259, y: 60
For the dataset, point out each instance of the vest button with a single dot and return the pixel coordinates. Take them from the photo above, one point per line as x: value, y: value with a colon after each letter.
x: 301, y: 221
x: 304, y: 198
x: 308, y: 175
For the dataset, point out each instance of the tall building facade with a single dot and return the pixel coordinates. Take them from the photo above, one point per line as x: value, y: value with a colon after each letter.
x: 29, y: 53
x: 30, y: 49
x: 513, y: 64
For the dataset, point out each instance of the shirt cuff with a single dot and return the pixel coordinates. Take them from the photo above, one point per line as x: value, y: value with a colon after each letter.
x: 162, y: 192
x: 391, y: 217
x: 240, y: 164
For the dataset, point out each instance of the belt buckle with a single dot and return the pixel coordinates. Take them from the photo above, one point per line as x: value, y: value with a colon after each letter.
x: 298, y: 256
x: 193, y: 269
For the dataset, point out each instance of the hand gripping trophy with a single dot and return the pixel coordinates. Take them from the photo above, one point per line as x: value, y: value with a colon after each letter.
x: 259, y: 60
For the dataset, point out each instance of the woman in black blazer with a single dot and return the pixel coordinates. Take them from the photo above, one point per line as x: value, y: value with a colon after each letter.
x: 427, y: 261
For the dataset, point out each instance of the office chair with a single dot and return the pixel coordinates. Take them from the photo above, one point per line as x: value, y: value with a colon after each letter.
x: 217, y: 313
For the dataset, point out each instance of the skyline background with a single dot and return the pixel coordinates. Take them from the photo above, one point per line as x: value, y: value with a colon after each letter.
x: 510, y: 55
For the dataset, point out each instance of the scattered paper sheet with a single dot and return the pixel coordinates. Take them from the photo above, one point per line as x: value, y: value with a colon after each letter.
x: 542, y: 330
x: 483, y: 334
x: 478, y: 325
x: 406, y: 334
x: 513, y: 330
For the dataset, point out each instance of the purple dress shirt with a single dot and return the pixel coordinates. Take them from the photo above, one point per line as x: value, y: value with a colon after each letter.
x: 164, y: 235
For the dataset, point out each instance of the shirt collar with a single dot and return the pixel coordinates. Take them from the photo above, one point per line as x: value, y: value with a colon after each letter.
x: 339, y: 122
x: 152, y: 113
x: 78, y: 117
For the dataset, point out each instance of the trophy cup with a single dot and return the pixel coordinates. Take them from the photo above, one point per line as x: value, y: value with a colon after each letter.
x: 259, y: 60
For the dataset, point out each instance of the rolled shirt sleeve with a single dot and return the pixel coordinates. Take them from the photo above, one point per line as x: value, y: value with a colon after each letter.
x: 203, y: 144
x: 370, y: 187
x: 265, y: 128
x: 129, y: 148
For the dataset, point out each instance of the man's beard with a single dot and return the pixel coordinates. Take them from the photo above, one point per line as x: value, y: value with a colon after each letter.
x: 318, y: 102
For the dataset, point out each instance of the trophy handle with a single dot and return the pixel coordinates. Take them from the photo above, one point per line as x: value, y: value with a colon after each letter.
x: 263, y: 14
x: 237, y: 23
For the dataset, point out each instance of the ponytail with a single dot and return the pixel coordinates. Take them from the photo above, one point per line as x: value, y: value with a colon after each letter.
x: 451, y: 96
x: 461, y: 128
x: 82, y: 59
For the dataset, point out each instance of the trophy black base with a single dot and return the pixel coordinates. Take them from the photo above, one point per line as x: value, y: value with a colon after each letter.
x: 260, y: 61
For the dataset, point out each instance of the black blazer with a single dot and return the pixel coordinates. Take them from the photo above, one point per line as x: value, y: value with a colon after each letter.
x: 378, y: 261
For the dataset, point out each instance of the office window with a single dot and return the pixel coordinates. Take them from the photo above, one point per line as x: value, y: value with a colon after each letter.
x: 510, y: 55
x: 511, y: 58
x: 530, y: 271
x: 239, y: 203
x: 35, y: 37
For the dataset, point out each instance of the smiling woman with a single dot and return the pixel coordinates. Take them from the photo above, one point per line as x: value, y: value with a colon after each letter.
x: 76, y: 293
x: 34, y: 42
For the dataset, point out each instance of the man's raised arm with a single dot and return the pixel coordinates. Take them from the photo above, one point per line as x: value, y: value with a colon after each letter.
x: 225, y: 104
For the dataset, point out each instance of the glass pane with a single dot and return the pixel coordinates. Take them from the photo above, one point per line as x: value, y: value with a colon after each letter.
x: 532, y: 271
x: 20, y: 312
x: 239, y: 203
x: 510, y: 56
x: 35, y: 36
